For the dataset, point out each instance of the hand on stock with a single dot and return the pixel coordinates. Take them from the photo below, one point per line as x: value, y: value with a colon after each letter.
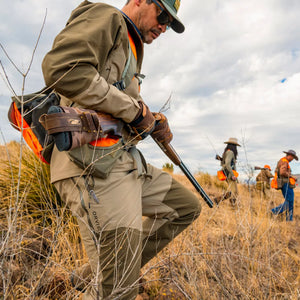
x: 162, y: 132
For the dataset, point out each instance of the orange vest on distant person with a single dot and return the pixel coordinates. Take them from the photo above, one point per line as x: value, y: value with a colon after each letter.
x: 274, y: 183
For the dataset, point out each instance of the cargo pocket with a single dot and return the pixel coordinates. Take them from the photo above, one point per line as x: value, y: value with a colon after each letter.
x: 259, y: 185
x: 280, y: 183
x: 97, y: 161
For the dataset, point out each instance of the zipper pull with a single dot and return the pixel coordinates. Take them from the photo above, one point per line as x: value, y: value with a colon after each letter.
x: 93, y: 195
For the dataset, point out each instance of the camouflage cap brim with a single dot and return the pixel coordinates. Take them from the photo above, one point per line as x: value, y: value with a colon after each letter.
x: 172, y: 7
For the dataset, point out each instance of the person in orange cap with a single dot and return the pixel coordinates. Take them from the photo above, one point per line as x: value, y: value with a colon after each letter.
x: 263, y: 182
x: 228, y: 164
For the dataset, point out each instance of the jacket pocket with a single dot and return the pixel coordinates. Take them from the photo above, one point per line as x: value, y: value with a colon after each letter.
x: 280, y: 183
x: 97, y: 161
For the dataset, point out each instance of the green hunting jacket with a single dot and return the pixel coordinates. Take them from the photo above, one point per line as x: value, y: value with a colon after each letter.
x: 87, y: 57
x: 264, y: 175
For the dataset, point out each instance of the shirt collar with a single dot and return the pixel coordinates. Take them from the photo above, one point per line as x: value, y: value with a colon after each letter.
x: 131, y: 22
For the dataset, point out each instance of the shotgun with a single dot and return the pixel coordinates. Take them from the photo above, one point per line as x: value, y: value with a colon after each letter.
x: 259, y: 168
x: 174, y: 157
x: 108, y: 124
x: 218, y: 157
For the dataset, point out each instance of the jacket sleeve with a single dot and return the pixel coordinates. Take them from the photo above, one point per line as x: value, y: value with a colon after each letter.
x: 284, y: 170
x: 259, y: 177
x: 79, y: 51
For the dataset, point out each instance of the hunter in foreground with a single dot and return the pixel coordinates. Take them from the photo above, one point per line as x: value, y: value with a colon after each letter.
x: 95, y: 64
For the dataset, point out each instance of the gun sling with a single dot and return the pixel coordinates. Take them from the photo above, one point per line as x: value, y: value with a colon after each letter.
x: 71, y: 119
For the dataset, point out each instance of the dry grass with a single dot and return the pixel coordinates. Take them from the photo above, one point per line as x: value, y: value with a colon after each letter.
x: 228, y: 253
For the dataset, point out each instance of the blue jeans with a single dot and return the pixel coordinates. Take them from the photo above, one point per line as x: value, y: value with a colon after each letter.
x: 288, y: 204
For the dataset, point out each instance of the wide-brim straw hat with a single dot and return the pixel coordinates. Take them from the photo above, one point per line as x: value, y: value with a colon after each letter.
x: 291, y: 152
x: 233, y: 141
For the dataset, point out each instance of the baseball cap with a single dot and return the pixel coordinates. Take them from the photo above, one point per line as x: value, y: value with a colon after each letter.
x: 172, y: 7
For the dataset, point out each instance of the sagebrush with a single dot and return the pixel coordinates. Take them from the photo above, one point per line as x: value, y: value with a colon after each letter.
x: 227, y: 253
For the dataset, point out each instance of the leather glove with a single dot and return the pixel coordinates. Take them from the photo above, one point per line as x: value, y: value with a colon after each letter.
x: 144, y: 122
x: 162, y: 132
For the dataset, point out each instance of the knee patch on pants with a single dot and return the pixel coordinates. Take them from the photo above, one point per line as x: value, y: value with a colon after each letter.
x: 184, y: 201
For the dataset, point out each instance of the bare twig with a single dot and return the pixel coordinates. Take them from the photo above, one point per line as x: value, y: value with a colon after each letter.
x: 166, y: 105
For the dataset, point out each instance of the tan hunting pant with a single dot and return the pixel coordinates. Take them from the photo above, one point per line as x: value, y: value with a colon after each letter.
x: 232, y: 187
x: 124, y: 221
x: 264, y: 189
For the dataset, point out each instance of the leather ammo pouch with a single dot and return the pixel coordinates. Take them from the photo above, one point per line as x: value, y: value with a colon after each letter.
x: 281, y: 180
x: 80, y: 132
x: 280, y: 183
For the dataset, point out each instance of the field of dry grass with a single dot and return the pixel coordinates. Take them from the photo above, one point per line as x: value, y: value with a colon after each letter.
x: 228, y: 253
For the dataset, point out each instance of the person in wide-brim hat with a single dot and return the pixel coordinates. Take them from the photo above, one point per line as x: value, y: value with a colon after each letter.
x: 291, y: 152
x: 228, y: 164
x: 286, y: 182
x: 232, y: 141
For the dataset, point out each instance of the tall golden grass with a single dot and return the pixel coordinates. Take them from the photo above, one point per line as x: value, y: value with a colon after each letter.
x: 227, y: 253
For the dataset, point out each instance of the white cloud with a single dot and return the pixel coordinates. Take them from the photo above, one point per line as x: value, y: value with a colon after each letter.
x: 224, y: 74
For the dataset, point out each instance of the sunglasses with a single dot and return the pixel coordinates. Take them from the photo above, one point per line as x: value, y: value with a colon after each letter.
x: 163, y: 17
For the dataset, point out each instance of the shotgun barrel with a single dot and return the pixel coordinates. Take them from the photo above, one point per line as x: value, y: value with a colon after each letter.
x: 171, y: 153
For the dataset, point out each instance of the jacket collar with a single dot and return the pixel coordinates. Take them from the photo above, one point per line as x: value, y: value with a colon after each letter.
x: 136, y: 36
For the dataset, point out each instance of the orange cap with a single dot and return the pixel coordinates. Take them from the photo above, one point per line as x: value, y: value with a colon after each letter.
x: 267, y: 167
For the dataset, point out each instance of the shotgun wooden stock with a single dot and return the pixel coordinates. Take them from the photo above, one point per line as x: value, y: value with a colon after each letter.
x: 110, y: 125
x: 174, y: 157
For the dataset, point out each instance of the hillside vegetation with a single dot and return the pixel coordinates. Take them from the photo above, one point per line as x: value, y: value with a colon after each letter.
x: 228, y: 253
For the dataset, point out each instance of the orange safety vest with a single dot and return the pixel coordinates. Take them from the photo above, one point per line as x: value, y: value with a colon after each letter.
x: 221, y: 175
x: 274, y: 183
x: 109, y: 141
x: 28, y: 135
x: 292, y: 180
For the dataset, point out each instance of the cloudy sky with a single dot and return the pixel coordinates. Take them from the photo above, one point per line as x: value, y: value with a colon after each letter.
x: 234, y: 72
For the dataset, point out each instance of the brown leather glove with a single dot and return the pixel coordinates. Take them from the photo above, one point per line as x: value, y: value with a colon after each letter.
x: 162, y: 132
x: 144, y: 122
